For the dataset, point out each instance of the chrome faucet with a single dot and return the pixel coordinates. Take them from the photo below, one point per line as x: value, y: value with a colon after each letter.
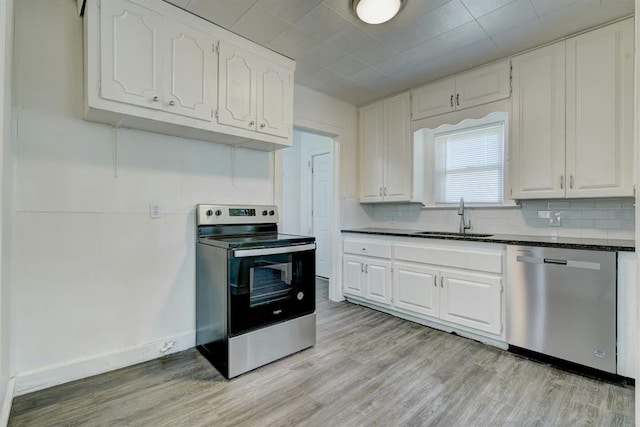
x: 463, y: 227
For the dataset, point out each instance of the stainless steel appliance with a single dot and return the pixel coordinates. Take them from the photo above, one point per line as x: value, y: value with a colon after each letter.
x: 255, y: 288
x: 562, y: 303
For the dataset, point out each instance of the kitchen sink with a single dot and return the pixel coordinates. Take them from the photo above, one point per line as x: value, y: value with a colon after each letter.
x: 453, y: 234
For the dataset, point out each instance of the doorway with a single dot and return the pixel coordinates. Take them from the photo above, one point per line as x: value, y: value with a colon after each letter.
x: 307, y: 202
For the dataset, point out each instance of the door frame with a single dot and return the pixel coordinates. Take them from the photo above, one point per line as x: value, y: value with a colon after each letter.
x: 310, y: 193
x: 335, y: 282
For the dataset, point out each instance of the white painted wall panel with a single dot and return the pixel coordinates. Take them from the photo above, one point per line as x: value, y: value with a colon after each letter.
x: 97, y: 283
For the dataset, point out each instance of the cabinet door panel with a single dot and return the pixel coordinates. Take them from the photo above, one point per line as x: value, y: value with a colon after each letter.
x: 538, y: 126
x: 237, y: 87
x: 191, y: 72
x: 130, y: 54
x: 398, y: 167
x: 353, y: 275
x: 371, y: 152
x: 433, y: 99
x: 599, y: 112
x: 483, y: 85
x: 275, y: 100
x: 378, y: 279
x: 472, y: 300
x: 416, y: 289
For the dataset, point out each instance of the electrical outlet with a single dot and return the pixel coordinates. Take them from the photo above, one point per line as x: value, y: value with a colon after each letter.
x: 555, y: 218
x: 154, y: 210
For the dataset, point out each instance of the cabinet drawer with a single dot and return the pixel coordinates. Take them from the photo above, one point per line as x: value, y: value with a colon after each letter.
x: 466, y: 258
x: 363, y: 247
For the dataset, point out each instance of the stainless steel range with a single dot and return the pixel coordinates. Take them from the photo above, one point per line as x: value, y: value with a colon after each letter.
x: 255, y: 288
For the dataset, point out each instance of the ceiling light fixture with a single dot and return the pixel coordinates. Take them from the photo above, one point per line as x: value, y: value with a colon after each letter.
x: 376, y: 11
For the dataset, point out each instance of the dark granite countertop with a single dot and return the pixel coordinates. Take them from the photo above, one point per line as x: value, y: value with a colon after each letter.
x: 613, y: 245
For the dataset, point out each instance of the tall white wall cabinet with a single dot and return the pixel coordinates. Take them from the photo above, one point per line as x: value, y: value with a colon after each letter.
x: 386, y: 150
x: 572, y: 132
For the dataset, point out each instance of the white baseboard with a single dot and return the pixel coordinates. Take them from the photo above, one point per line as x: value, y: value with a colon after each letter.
x: 27, y: 382
x: 6, y: 404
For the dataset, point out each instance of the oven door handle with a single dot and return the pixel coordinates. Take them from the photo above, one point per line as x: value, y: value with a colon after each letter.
x: 243, y: 253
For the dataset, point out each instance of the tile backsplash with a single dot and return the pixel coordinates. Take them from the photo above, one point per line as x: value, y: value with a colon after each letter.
x: 596, y: 218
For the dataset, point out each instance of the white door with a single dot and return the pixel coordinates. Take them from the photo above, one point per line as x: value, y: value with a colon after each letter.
x: 398, y: 165
x: 275, y: 100
x: 472, y: 300
x: 433, y: 99
x: 600, y: 112
x: 237, y: 87
x: 353, y: 275
x: 378, y: 281
x: 321, y: 172
x: 191, y: 72
x: 482, y: 85
x: 130, y: 54
x: 371, y: 152
x: 416, y: 289
x: 538, y: 125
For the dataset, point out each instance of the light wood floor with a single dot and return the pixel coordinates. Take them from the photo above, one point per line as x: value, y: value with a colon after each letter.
x: 367, y: 369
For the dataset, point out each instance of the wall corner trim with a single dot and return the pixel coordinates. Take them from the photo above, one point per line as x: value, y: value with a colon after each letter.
x: 6, y: 403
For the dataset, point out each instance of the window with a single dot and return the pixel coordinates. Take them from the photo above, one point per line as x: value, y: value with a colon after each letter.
x: 468, y: 161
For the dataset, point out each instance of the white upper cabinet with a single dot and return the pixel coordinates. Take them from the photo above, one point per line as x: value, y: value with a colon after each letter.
x: 131, y: 54
x: 386, y: 147
x: 275, y: 99
x: 254, y: 93
x: 538, y: 123
x: 600, y: 112
x: 155, y: 62
x: 572, y: 127
x: 238, y: 80
x: 479, y: 86
x: 152, y: 66
x: 190, y: 71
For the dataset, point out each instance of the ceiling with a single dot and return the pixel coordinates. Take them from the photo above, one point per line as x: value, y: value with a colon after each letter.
x: 429, y: 39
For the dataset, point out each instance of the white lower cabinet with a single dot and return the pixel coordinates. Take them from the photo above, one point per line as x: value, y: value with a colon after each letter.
x: 416, y: 289
x: 453, y: 284
x: 368, y: 277
x: 472, y: 300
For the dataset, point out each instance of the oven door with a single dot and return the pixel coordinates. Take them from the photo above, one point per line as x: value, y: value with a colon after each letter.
x: 269, y: 285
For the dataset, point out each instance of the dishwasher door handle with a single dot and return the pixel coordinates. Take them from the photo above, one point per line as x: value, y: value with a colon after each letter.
x: 555, y: 261
x: 559, y: 262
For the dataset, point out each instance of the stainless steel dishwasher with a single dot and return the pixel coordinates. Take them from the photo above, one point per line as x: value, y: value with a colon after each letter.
x: 562, y: 303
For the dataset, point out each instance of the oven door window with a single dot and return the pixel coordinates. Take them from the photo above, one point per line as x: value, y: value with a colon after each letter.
x: 268, y: 289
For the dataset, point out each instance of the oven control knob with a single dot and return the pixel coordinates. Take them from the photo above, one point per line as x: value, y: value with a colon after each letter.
x: 218, y: 212
x: 264, y: 213
x: 272, y: 213
x: 300, y: 295
x: 209, y: 212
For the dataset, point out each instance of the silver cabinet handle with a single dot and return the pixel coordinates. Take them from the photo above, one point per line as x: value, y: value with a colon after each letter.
x: 562, y: 182
x: 441, y: 280
x: 435, y: 281
x: 251, y: 123
x: 366, y: 268
x: 172, y: 103
x: 362, y: 268
x: 458, y: 99
x: 381, y: 191
x: 262, y: 125
x: 451, y: 100
x: 570, y: 181
x: 385, y: 191
x: 156, y: 98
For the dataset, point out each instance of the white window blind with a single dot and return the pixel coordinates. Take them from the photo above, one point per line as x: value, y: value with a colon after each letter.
x: 469, y: 163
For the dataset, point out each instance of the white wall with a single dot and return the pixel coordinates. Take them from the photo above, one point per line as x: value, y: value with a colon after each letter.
x: 98, y: 284
x: 6, y: 51
x: 291, y: 186
x: 321, y: 113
